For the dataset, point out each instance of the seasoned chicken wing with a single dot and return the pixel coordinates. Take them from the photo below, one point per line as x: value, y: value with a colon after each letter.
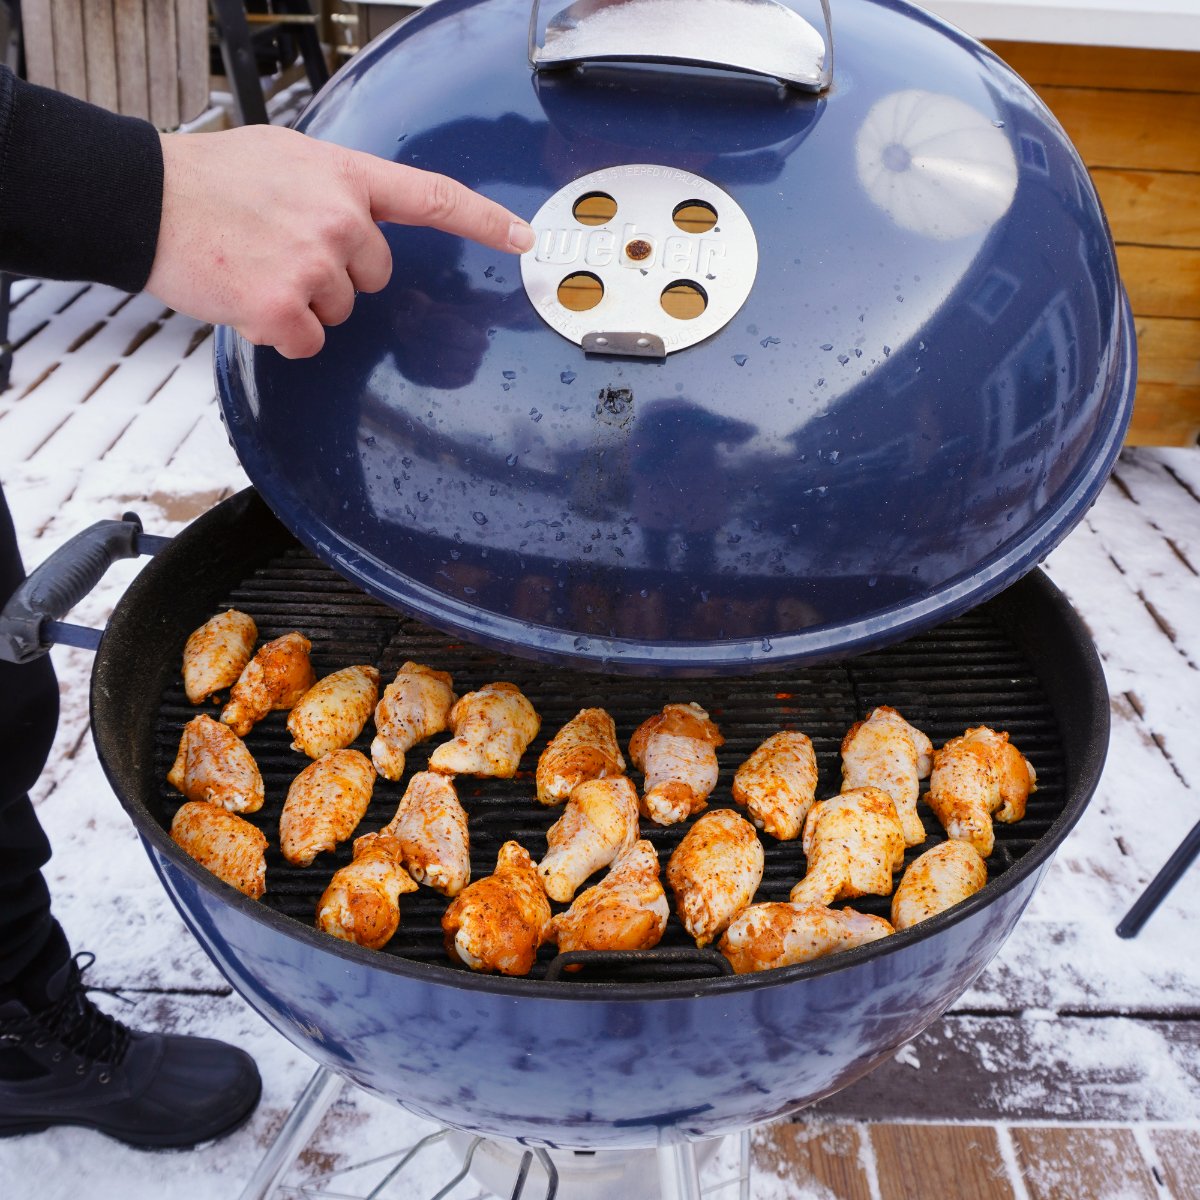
x: 362, y: 902
x: 325, y: 804
x: 854, y: 843
x: 431, y: 829
x: 415, y: 706
x: 492, y: 729
x: 225, y: 844
x: 888, y: 753
x: 331, y: 714
x: 276, y: 677
x: 715, y: 872
x: 497, y: 923
x: 975, y: 776
x: 936, y: 881
x: 217, y: 653
x: 214, y: 764
x: 584, y: 748
x: 778, y: 935
x: 778, y: 783
x: 598, y: 825
x: 677, y: 750
x: 626, y: 910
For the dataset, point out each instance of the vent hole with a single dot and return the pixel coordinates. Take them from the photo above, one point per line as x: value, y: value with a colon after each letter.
x: 694, y: 216
x: 596, y: 208
x: 684, y: 301
x: 580, y: 291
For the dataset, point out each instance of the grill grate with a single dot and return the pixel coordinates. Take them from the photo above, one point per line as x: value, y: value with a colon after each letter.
x: 966, y: 672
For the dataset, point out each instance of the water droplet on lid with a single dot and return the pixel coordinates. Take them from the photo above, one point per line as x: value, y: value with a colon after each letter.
x: 422, y: 496
x: 479, y: 518
x: 843, y: 359
x: 741, y: 359
x: 509, y: 374
x: 766, y: 645
x: 468, y: 591
x: 734, y: 538
x: 998, y: 124
x: 873, y: 581
x: 796, y: 530
x: 834, y: 455
x: 581, y: 643
x: 826, y: 345
x: 489, y: 272
x: 535, y: 415
x: 512, y: 460
x: 370, y: 440
x: 567, y: 377
x: 406, y: 462
x: 887, y: 350
x: 644, y: 593
x: 507, y: 387
x: 769, y: 341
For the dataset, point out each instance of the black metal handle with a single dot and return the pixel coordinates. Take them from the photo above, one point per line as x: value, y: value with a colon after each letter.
x: 700, y: 962
x: 63, y: 580
x: 1161, y: 884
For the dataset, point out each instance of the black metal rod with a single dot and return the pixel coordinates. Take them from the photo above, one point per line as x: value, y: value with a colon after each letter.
x: 1161, y: 885
x: 522, y: 1174
x: 551, y: 1172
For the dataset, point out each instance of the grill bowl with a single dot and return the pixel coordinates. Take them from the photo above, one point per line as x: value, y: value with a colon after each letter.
x: 579, y: 1063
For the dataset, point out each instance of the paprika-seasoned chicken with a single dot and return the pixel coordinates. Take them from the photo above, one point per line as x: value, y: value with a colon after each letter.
x: 276, y: 677
x: 217, y: 653
x: 854, y: 843
x: 497, y: 923
x: 778, y: 935
x: 214, y: 764
x: 431, y: 829
x: 626, y: 910
x: 325, y: 804
x: 415, y: 706
x: 362, y: 902
x: 888, y: 753
x: 778, y: 783
x: 975, y: 776
x: 223, y: 843
x: 715, y: 872
x: 936, y: 881
x: 598, y: 825
x: 492, y: 729
x: 332, y: 713
x: 677, y: 750
x: 584, y: 748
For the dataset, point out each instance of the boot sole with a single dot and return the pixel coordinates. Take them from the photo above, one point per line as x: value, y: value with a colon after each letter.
x: 137, y: 1141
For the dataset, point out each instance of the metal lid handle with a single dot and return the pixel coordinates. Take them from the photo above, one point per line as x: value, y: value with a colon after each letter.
x: 760, y: 37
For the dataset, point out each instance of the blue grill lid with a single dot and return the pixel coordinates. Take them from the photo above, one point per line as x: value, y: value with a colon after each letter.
x: 922, y: 394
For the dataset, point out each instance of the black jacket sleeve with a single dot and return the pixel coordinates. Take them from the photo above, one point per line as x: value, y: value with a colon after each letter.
x: 80, y: 188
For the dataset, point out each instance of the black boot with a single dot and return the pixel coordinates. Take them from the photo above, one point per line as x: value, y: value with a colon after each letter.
x: 69, y: 1063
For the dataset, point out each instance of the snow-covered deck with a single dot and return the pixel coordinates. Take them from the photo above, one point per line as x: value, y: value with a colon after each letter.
x: 1071, y: 1069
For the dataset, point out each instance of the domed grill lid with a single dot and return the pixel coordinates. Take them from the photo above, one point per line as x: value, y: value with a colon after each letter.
x: 920, y: 393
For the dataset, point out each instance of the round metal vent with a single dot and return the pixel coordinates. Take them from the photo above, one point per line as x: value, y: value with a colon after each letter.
x: 640, y: 260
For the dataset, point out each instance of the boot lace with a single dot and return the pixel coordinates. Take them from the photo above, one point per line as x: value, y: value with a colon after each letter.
x: 75, y: 1022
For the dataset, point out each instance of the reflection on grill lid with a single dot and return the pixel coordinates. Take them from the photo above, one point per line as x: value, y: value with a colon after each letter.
x: 921, y: 393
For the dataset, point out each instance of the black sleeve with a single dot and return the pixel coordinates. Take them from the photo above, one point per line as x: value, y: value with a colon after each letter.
x: 80, y: 188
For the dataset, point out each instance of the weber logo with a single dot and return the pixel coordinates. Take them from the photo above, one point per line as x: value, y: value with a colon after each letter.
x: 633, y: 248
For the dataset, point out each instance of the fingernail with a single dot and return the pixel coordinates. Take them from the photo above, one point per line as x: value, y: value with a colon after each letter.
x: 521, y: 237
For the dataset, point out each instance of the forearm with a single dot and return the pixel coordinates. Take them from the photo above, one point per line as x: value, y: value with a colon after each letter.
x: 80, y: 189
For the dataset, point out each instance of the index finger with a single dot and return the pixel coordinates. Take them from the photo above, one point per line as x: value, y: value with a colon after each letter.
x: 410, y: 196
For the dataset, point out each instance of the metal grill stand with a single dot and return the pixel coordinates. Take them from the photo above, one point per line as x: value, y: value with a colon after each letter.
x: 506, y: 1169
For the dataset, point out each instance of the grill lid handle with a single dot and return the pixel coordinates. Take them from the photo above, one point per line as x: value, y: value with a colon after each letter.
x: 31, y: 620
x: 759, y: 37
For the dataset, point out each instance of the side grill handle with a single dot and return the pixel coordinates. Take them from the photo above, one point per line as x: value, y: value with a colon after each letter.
x: 31, y: 621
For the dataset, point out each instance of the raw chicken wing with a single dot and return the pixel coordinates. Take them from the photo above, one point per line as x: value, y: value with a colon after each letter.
x: 676, y: 749
x: 415, y: 706
x: 626, y: 910
x: 362, y: 902
x: 936, y: 881
x: 331, y: 714
x: 225, y: 844
x: 888, y: 753
x: 715, y: 872
x: 325, y: 804
x: 854, y: 843
x: 498, y: 923
x: 584, y: 748
x: 779, y: 935
x: 974, y: 776
x: 217, y: 653
x: 431, y: 829
x: 213, y: 764
x: 276, y: 677
x: 492, y: 729
x: 778, y: 783
x: 598, y: 825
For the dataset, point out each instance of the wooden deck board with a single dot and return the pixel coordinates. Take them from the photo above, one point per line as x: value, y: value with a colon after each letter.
x: 1063, y: 1164
x: 925, y: 1160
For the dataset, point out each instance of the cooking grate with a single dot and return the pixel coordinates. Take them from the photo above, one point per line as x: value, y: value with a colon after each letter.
x: 966, y: 672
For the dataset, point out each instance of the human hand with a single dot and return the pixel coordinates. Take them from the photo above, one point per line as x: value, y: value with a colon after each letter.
x: 273, y: 232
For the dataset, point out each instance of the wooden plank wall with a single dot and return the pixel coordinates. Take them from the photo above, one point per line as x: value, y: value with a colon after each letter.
x: 142, y: 58
x: 1135, y: 117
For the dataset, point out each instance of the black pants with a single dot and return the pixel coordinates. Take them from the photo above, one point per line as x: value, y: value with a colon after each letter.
x: 30, y: 938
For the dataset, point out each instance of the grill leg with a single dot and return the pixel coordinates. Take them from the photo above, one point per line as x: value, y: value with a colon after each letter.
x: 319, y: 1093
x: 678, y: 1174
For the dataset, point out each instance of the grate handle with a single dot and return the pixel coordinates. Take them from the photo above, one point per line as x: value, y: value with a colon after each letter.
x: 31, y: 620
x: 707, y: 962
